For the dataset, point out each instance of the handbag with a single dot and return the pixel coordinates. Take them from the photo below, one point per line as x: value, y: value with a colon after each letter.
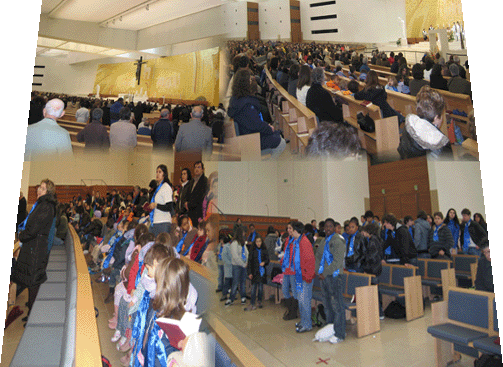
x: 366, y: 122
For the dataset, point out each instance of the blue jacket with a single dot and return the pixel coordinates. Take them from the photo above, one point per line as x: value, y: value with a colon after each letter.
x: 114, y: 112
x: 246, y: 113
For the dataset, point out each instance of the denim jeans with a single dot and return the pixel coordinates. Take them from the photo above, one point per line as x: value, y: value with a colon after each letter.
x: 238, y: 279
x: 160, y: 228
x: 335, y: 288
x: 58, y: 241
x: 226, y: 286
x: 327, y: 300
x: 220, y: 277
x: 257, y: 287
x: 275, y: 152
x: 304, y: 296
x: 289, y: 285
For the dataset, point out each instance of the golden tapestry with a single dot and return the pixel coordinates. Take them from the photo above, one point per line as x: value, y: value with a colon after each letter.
x: 188, y: 77
x: 421, y: 14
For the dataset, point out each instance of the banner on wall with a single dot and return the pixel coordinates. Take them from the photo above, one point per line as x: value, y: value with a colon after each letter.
x: 188, y: 77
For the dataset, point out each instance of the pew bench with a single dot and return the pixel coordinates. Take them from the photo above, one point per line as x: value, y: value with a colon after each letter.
x: 430, y: 271
x: 462, y: 267
x: 465, y: 322
x: 273, y: 289
x: 400, y: 281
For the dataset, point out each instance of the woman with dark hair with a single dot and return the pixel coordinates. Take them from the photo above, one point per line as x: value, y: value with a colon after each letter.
x: 270, y: 242
x: 418, y: 82
x: 477, y: 217
x: 437, y: 80
x: 452, y: 222
x: 376, y: 94
x: 29, y: 271
x: 244, y: 108
x: 161, y: 203
x: 293, y: 78
x: 183, y: 189
x: 303, y: 83
x: 239, y: 260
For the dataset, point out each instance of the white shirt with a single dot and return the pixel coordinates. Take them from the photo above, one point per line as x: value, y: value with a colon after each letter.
x: 82, y: 115
x: 302, y: 93
x: 47, y: 139
x: 190, y: 305
x: 163, y: 196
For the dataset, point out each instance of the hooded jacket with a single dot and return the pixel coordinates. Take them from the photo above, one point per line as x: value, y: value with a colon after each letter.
x: 420, y: 137
x: 246, y: 113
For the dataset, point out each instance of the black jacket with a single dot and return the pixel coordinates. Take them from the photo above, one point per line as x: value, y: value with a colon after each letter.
x: 253, y: 264
x: 31, y: 264
x: 402, y: 245
x: 476, y: 232
x: 162, y: 134
x: 377, y: 96
x: 484, y: 278
x: 195, y: 198
x: 371, y: 263
x: 322, y: 104
x: 445, y: 241
x: 359, y: 250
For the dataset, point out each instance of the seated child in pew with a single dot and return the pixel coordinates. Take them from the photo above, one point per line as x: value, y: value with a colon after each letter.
x: 440, y: 240
x: 258, y: 259
x: 95, y: 247
x: 185, y: 235
x: 339, y: 72
x: 353, y: 86
x: 392, y: 84
x: 105, y: 251
x: 334, y: 82
x: 196, y: 248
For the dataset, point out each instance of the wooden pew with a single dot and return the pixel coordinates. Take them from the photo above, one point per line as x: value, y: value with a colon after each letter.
x: 295, y: 120
x: 385, y: 140
x: 462, y: 265
x: 430, y: 271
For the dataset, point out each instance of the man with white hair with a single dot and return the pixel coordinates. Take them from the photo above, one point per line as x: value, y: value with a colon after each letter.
x: 46, y: 138
x: 162, y: 133
x: 194, y: 136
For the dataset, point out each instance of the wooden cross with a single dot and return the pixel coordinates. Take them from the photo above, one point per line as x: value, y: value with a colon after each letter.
x: 138, y: 68
x: 322, y: 361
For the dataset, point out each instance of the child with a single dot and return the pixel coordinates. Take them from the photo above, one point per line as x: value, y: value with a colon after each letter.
x: 392, y: 84
x: 239, y: 260
x: 198, y: 245
x: 440, y: 239
x: 257, y: 262
x: 227, y: 264
x: 186, y: 235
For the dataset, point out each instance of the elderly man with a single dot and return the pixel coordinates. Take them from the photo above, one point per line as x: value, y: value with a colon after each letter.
x: 95, y: 135
x: 457, y: 84
x: 46, y: 138
x: 162, y: 133
x: 123, y: 132
x: 194, y: 136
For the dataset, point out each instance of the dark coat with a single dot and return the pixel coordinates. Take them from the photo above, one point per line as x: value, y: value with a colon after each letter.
x: 377, y: 96
x: 162, y: 134
x: 371, y: 263
x: 246, y: 113
x: 476, y: 231
x: 322, y: 104
x: 30, y: 267
x: 484, y: 278
x: 195, y: 198
x: 438, y: 82
x: 21, y: 211
x: 94, y: 135
x: 253, y: 264
x: 359, y: 250
x: 402, y: 245
x: 445, y: 241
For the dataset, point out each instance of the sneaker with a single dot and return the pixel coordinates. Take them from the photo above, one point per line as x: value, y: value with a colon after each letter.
x: 85, y: 252
x: 122, y: 340
x: 243, y: 301
x: 334, y: 340
x: 381, y: 317
x: 223, y: 298
x: 250, y: 308
x: 260, y: 305
x: 116, y: 336
x: 228, y: 302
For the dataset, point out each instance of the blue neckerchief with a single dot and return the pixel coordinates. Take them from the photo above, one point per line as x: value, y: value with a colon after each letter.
x: 261, y: 268
x: 154, y: 348
x: 243, y: 254
x: 454, y: 227
x: 138, y: 329
x: 220, y: 252
x: 52, y: 234
x: 286, y: 256
x: 435, y: 233
x: 201, y: 251
x: 411, y: 233
x: 190, y: 247
x: 466, y: 237
x: 134, y: 199
x: 388, y: 250
x: 111, y: 252
x: 351, y: 244
x: 327, y: 257
x: 22, y: 226
x: 180, y: 243
x: 251, y: 237
x: 151, y: 201
x: 296, y: 259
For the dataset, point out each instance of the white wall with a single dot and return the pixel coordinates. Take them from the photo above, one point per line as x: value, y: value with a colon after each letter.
x: 459, y: 185
x: 274, y: 19
x: 235, y: 19
x: 371, y: 21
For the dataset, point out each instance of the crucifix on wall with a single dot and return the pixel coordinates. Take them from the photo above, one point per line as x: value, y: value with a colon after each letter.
x: 138, y: 68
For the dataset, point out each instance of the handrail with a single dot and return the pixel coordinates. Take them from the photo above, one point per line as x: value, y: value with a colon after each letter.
x: 87, y: 342
x: 83, y: 180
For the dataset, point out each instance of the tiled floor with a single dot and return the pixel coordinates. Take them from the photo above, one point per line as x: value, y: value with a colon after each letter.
x: 275, y: 342
x: 12, y: 335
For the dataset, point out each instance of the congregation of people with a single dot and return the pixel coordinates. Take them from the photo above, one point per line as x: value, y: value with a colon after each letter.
x: 133, y: 241
x: 301, y: 70
x: 306, y: 251
x: 116, y: 125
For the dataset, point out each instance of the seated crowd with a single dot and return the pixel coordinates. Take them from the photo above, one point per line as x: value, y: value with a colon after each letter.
x: 301, y: 68
x: 306, y: 251
x: 187, y: 128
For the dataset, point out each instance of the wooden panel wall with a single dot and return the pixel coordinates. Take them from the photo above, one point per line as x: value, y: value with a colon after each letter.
x: 65, y: 193
x: 252, y: 18
x: 406, y: 187
x: 295, y: 22
x: 261, y: 222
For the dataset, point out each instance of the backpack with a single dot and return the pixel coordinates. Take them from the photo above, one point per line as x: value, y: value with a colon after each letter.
x: 395, y: 310
x: 366, y: 122
x: 487, y: 360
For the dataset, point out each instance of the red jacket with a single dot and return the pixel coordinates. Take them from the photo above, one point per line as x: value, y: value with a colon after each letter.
x: 307, y: 260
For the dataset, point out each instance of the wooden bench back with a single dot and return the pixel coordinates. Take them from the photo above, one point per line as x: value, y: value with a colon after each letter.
x: 354, y: 280
x: 393, y: 275
x: 430, y: 269
x: 462, y: 263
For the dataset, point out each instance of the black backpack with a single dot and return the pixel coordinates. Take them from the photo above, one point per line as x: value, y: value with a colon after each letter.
x: 487, y: 360
x: 366, y: 122
x: 395, y: 310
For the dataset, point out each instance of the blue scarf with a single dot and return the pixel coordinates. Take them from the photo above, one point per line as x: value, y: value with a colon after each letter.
x: 220, y: 252
x: 286, y: 256
x: 190, y: 247
x: 111, y: 252
x: 411, y: 233
x: 243, y: 254
x: 296, y: 259
x: 155, y: 348
x: 327, y: 257
x: 435, y: 233
x: 261, y: 268
x: 138, y: 329
x: 388, y: 250
x: 180, y: 243
x: 252, y: 236
x: 466, y: 237
x: 151, y: 201
x: 351, y: 244
x: 22, y: 225
x: 454, y: 227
